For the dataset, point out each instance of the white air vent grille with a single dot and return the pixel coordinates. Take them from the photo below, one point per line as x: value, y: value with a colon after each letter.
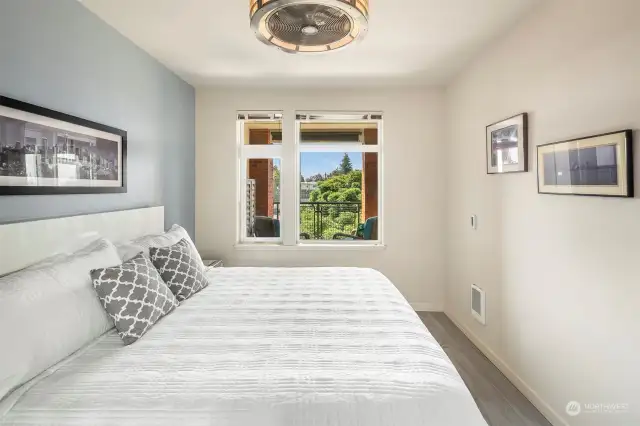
x: 478, y: 304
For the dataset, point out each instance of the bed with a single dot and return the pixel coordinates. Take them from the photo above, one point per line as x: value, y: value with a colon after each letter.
x: 261, y: 346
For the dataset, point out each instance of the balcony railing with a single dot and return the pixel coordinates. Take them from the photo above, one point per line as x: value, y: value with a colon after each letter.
x: 322, y: 220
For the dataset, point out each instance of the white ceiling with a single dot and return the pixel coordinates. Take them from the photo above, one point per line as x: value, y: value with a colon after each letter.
x: 208, y: 42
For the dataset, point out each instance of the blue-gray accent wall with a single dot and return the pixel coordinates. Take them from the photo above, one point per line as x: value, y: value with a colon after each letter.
x: 59, y: 55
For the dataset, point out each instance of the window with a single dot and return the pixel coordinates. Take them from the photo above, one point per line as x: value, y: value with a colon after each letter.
x: 339, y: 197
x: 310, y: 178
x: 259, y: 137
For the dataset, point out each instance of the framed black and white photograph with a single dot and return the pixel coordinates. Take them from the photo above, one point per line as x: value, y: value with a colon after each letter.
x: 600, y: 165
x: 48, y: 152
x: 507, y: 143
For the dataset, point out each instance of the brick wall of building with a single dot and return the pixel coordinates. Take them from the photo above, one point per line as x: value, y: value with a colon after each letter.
x: 370, y: 176
x: 261, y: 170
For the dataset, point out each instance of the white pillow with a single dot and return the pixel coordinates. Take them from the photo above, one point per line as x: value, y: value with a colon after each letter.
x: 50, y: 310
x: 169, y: 238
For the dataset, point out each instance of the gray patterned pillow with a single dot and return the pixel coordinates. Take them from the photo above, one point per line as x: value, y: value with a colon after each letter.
x: 183, y: 273
x: 134, y: 296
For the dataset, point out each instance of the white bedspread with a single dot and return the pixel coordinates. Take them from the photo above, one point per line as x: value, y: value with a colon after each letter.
x: 264, y: 347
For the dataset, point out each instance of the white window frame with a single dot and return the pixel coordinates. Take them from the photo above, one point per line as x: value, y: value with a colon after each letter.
x: 248, y: 152
x: 289, y: 154
x: 340, y: 117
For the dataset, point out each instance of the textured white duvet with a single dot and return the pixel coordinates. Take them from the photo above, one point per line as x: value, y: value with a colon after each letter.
x: 263, y: 347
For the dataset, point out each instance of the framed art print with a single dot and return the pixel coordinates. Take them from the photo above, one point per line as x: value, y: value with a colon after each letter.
x: 507, y: 145
x: 600, y: 165
x: 48, y: 152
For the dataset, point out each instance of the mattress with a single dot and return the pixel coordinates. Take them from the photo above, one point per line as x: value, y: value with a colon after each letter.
x: 263, y: 347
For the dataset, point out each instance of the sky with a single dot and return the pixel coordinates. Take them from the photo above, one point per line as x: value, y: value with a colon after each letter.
x: 312, y: 163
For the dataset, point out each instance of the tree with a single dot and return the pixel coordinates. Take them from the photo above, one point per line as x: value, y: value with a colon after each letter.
x: 336, y: 172
x: 345, y: 165
x: 336, y: 217
x: 344, y: 187
x: 276, y: 183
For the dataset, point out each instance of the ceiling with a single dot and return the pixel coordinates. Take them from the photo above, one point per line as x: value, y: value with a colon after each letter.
x: 410, y: 42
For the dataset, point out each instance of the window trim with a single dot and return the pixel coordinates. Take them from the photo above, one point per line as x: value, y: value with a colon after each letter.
x: 247, y: 152
x: 301, y: 147
x: 337, y: 147
x: 288, y: 152
x: 356, y: 246
x: 244, y: 157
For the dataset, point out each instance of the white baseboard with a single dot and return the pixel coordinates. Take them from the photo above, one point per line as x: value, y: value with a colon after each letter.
x: 426, y: 307
x: 554, y: 418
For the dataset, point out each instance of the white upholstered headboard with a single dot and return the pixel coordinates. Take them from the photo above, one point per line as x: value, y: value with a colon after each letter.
x: 24, y: 243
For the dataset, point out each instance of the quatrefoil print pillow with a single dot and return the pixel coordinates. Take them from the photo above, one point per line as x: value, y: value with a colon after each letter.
x: 180, y: 269
x: 134, y: 296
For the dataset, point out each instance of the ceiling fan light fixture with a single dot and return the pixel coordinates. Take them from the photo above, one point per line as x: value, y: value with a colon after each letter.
x: 311, y: 26
x: 310, y: 30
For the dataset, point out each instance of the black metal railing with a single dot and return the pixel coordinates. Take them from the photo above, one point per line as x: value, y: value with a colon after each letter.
x: 323, y: 220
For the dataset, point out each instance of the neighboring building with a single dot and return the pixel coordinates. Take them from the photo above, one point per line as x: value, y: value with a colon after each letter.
x: 306, y: 188
x: 251, y: 205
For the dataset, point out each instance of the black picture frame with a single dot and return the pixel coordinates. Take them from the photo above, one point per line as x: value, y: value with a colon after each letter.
x: 521, y: 122
x: 67, y: 118
x: 625, y: 169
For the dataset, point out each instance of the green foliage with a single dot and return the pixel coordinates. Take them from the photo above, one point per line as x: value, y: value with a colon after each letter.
x: 333, y: 222
x: 344, y: 187
x: 276, y: 174
x: 276, y: 182
x: 345, y: 164
x: 335, y: 219
x: 351, y: 194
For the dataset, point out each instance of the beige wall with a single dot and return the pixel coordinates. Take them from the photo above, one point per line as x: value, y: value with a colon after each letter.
x: 560, y: 272
x: 413, y: 171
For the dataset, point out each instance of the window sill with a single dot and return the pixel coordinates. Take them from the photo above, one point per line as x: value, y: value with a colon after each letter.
x: 308, y: 247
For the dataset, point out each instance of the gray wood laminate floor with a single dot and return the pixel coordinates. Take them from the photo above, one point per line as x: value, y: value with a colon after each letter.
x: 499, y: 401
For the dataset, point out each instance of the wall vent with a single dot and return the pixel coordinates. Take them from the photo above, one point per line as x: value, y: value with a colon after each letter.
x: 478, y: 304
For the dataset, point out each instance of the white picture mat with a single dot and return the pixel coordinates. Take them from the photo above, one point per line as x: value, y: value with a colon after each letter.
x: 65, y: 126
x: 49, y: 182
x: 25, y: 243
x: 617, y: 139
x: 52, y: 122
